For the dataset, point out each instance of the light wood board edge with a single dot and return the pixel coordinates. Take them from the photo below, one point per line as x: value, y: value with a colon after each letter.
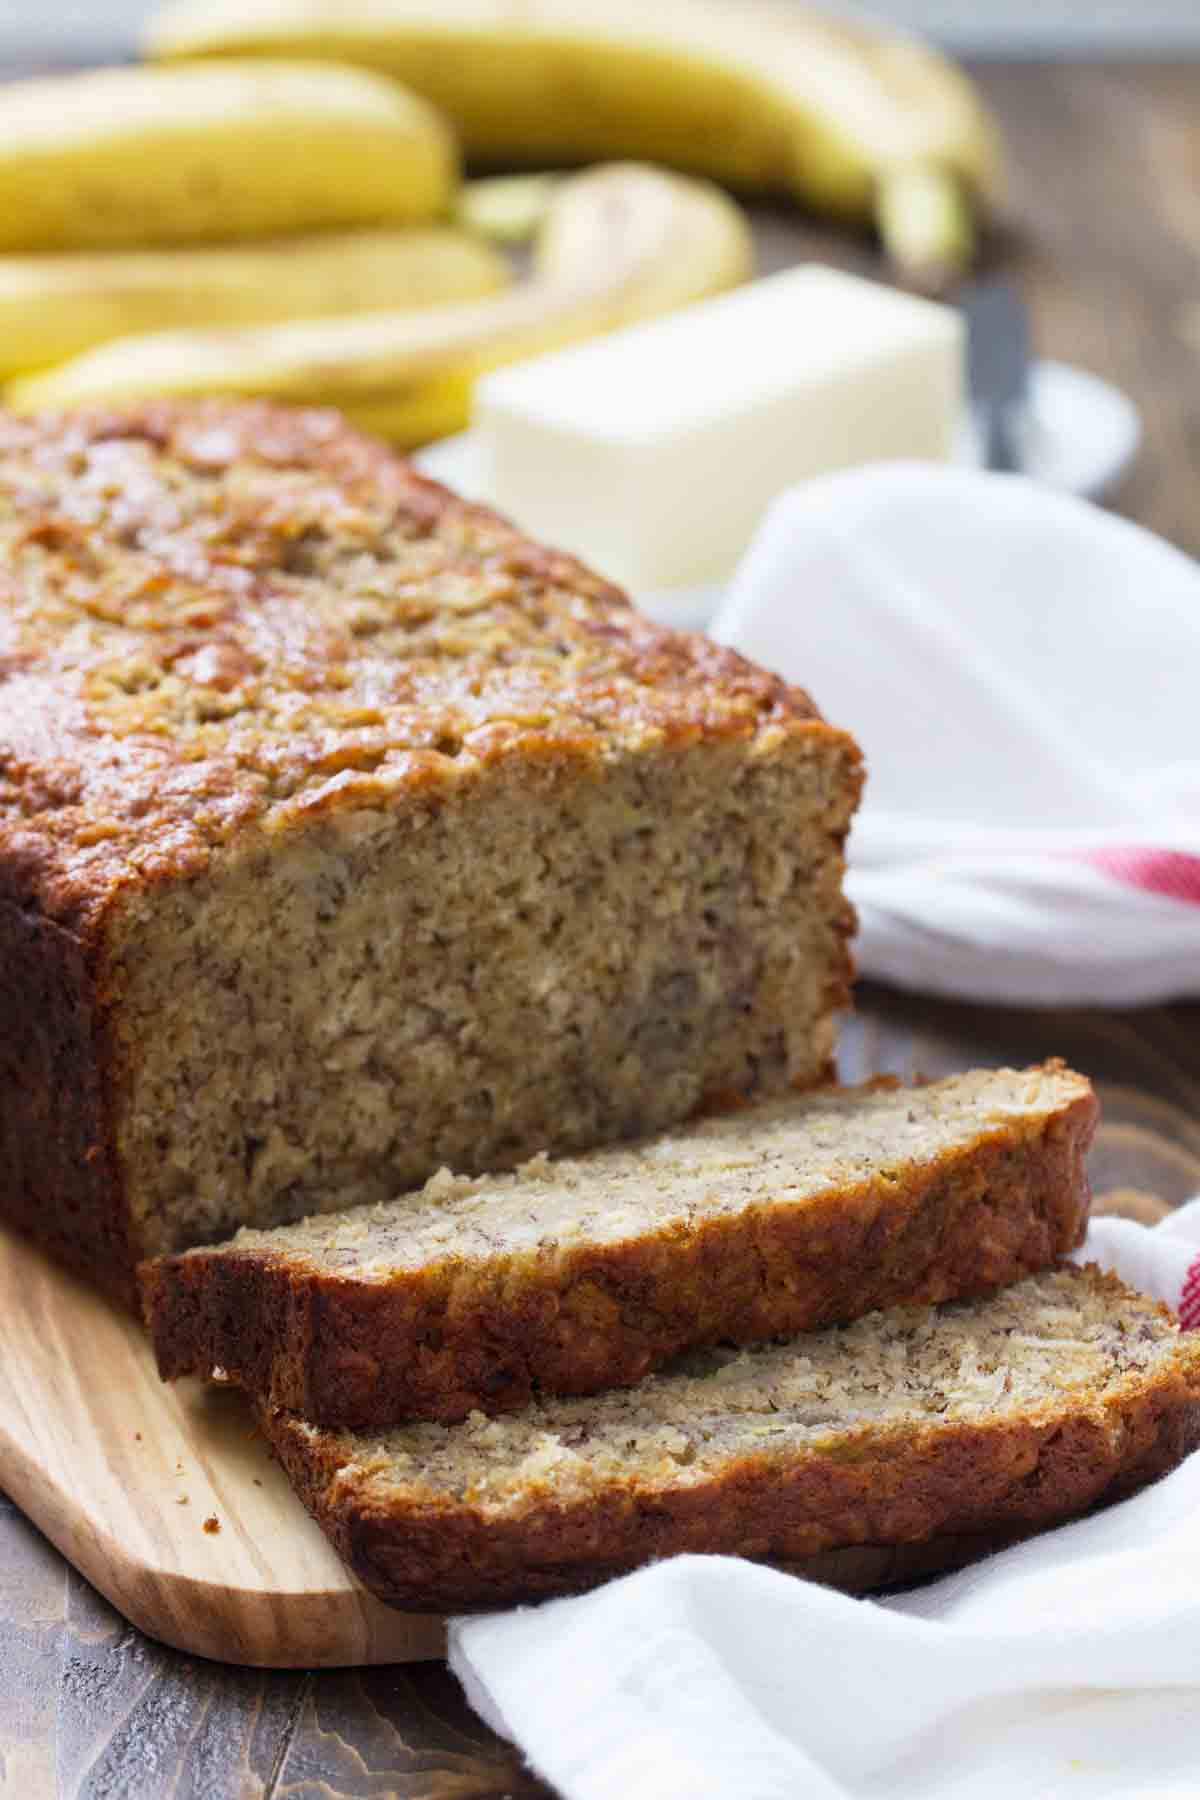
x: 120, y: 1472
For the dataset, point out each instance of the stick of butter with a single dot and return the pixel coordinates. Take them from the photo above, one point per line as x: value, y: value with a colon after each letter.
x: 654, y: 451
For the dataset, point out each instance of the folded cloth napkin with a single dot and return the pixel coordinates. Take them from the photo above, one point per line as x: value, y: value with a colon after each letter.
x: 1068, y: 1666
x: 1023, y: 673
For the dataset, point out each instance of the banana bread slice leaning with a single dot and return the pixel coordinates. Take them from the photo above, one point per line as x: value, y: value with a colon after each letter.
x: 346, y: 834
x: 980, y: 1418
x: 572, y: 1276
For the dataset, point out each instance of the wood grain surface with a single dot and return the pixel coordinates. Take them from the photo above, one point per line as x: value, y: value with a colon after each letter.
x: 165, y: 1497
x: 1105, y: 239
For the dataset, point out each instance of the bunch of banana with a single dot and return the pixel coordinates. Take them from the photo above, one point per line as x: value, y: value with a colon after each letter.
x: 52, y: 307
x: 230, y: 150
x: 617, y: 244
x: 852, y: 119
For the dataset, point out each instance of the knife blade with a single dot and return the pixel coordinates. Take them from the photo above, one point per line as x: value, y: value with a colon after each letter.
x: 997, y: 369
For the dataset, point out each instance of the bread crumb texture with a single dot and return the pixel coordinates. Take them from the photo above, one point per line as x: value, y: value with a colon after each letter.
x: 346, y: 834
x: 1047, y: 1342
x: 786, y: 1150
x: 998, y: 1415
x: 570, y: 1276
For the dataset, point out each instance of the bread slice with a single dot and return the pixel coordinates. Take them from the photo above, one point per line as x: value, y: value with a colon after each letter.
x: 345, y: 833
x: 1001, y: 1415
x: 573, y: 1276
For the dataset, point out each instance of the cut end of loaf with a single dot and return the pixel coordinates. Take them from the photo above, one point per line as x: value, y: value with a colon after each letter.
x: 545, y: 960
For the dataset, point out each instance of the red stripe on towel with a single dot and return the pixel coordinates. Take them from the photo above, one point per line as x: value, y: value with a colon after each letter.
x: 1174, y: 873
x: 1189, y: 1300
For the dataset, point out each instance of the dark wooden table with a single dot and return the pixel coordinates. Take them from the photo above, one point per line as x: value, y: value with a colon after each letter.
x: 1105, y: 236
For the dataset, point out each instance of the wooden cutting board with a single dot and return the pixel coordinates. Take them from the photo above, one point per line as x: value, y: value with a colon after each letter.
x: 167, y: 1501
x: 122, y: 1472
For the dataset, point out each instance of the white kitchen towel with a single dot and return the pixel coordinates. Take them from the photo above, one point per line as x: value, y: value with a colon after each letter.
x: 1068, y: 1666
x: 1023, y: 673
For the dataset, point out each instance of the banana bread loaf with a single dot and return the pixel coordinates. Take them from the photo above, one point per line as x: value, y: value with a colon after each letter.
x: 572, y: 1276
x: 345, y: 835
x: 981, y: 1418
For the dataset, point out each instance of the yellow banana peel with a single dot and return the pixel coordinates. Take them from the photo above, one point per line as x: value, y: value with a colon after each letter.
x: 765, y: 97
x: 148, y: 156
x: 618, y: 244
x: 53, y: 307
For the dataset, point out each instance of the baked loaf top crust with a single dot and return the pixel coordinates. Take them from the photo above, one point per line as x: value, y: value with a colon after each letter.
x: 995, y: 1416
x: 219, y: 614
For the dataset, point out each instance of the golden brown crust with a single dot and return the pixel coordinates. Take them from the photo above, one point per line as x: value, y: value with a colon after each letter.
x: 370, y: 1352
x: 58, y: 1179
x: 217, y: 615
x: 900, y: 1487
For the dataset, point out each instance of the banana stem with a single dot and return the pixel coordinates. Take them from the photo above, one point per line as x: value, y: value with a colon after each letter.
x: 926, y: 223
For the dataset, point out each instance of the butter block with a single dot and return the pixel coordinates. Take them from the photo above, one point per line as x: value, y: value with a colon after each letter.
x: 654, y: 451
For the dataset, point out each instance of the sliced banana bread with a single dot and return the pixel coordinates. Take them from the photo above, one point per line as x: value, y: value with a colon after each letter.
x: 571, y: 1276
x: 1000, y: 1415
x: 346, y: 834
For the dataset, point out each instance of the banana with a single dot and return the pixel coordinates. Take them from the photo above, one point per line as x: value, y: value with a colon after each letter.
x: 137, y: 157
x: 505, y: 209
x: 762, y: 97
x: 53, y: 307
x: 618, y: 244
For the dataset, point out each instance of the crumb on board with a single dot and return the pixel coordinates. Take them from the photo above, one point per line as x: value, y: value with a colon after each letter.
x: 212, y: 1524
x: 182, y: 1500
x: 137, y: 1437
x: 257, y: 1482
